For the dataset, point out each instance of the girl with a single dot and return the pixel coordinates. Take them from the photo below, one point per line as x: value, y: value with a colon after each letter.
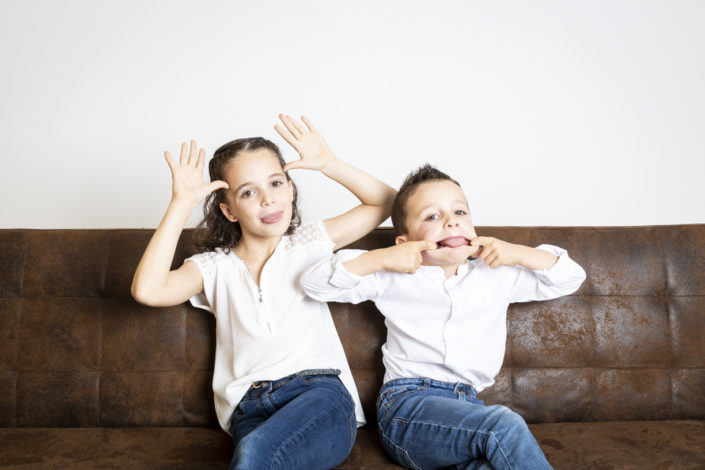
x: 282, y: 385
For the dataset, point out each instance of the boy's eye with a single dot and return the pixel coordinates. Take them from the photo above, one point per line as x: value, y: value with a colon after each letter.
x: 432, y: 217
x: 460, y: 212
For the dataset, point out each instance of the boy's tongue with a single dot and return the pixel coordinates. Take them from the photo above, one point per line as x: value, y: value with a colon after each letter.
x: 453, y: 242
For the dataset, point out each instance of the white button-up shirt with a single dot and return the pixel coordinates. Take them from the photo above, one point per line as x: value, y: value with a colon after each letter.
x: 269, y: 331
x: 453, y: 329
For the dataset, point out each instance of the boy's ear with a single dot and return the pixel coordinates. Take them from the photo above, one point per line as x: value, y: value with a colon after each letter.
x: 401, y: 239
x: 227, y: 212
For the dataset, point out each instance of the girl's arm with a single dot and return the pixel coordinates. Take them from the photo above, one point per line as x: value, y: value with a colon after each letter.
x: 376, y: 197
x: 154, y: 283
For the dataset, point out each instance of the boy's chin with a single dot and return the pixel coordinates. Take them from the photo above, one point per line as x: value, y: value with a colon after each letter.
x: 446, y: 257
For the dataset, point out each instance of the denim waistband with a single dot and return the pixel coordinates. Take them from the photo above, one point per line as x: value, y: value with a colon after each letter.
x: 430, y: 383
x: 274, y: 384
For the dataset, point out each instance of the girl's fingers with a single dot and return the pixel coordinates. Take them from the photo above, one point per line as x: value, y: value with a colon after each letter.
x: 201, y: 159
x: 285, y: 135
x: 183, y: 158
x: 193, y: 153
x: 169, y: 161
x: 299, y: 127
x: 308, y: 123
x: 217, y: 184
x: 290, y: 125
x: 294, y: 165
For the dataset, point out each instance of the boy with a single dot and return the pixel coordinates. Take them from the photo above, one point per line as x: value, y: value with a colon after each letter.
x: 446, y: 321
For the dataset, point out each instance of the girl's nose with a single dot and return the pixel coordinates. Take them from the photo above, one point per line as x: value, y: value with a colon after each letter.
x: 266, y: 198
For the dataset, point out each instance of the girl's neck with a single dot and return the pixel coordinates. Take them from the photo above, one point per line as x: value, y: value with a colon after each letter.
x: 256, y: 249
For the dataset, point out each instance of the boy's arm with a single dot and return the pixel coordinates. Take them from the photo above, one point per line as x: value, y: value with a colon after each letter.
x: 329, y: 281
x: 376, y: 196
x: 349, y: 275
x: 550, y: 272
x: 403, y: 258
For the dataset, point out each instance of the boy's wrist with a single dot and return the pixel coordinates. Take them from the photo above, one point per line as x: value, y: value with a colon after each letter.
x: 367, y: 263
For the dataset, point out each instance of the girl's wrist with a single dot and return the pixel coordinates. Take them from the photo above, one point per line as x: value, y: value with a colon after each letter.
x: 333, y: 167
x: 182, y: 205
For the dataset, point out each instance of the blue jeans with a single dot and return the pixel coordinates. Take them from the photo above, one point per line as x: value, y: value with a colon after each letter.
x: 428, y: 424
x: 303, y: 421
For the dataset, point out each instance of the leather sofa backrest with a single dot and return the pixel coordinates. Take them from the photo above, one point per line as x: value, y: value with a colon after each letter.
x: 77, y: 350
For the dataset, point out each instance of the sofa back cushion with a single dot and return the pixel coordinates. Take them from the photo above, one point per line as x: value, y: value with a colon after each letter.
x: 77, y: 350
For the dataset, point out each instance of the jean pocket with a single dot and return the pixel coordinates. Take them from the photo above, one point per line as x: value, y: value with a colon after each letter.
x: 398, y: 454
x: 391, y: 395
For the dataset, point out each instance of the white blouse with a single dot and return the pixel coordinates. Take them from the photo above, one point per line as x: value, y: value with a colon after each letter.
x: 270, y: 331
x: 452, y: 330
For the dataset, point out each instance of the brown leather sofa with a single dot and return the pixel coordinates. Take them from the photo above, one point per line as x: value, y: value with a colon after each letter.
x: 612, y: 377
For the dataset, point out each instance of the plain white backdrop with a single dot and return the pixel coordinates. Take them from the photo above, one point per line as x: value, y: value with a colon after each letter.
x: 548, y: 112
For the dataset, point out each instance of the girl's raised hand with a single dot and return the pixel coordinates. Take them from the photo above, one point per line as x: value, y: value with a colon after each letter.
x: 187, y: 177
x: 313, y: 149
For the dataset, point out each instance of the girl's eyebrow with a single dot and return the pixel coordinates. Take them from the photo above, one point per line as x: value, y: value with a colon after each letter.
x: 247, y: 183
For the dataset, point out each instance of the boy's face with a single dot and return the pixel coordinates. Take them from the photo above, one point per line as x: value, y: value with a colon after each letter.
x: 438, y: 211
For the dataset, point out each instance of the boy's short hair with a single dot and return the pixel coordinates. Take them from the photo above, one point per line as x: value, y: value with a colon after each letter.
x: 411, y: 182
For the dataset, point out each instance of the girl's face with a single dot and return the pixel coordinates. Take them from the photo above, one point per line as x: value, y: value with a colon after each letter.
x: 259, y: 197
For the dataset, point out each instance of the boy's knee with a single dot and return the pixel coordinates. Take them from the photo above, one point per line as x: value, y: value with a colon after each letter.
x: 506, y: 419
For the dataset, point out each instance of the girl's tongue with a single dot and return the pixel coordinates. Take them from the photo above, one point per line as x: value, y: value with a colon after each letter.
x: 453, y: 242
x: 272, y: 218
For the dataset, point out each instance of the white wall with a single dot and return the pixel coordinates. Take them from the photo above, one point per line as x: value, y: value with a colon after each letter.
x: 548, y: 112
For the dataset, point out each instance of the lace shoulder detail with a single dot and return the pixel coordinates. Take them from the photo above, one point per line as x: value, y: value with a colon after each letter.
x: 313, y: 233
x: 208, y: 260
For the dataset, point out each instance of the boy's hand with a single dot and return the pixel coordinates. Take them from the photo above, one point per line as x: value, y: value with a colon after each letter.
x: 403, y: 258
x: 313, y: 149
x: 406, y: 257
x: 496, y: 252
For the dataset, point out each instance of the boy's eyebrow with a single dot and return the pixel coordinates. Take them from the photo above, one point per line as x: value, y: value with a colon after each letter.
x: 465, y: 203
x: 246, y: 183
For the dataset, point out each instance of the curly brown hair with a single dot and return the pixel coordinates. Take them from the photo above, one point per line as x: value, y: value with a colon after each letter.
x: 411, y: 182
x: 215, y: 230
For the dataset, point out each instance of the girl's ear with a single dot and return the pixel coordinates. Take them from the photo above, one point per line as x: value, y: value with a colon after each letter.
x: 401, y: 239
x: 227, y: 212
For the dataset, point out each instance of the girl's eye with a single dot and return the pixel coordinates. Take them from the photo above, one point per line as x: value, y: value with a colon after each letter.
x: 247, y: 193
x: 277, y: 183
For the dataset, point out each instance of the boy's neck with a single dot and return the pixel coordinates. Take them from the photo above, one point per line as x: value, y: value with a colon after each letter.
x: 449, y: 270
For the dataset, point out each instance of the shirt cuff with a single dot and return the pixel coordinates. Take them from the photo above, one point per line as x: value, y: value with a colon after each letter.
x: 340, y: 277
x: 562, y: 269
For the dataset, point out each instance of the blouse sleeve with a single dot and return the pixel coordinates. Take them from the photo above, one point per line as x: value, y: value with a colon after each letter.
x: 206, y: 263
x: 313, y: 234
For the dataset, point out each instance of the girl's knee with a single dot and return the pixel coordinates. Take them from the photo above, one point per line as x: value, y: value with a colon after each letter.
x: 252, y: 451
